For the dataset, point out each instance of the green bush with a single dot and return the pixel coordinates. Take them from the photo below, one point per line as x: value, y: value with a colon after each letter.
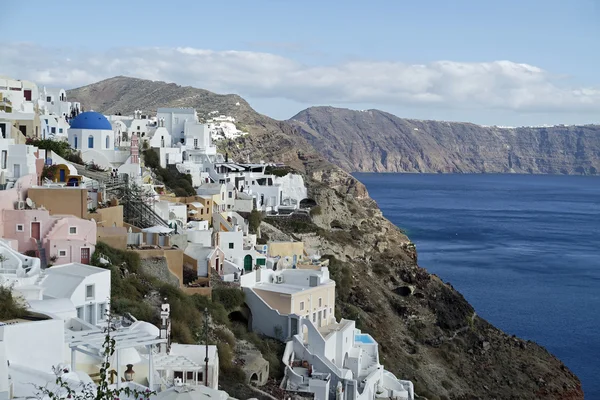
x: 151, y: 159
x: 10, y: 306
x: 254, y: 220
x: 231, y: 298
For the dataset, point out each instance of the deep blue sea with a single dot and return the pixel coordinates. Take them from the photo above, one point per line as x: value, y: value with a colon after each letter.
x: 524, y: 250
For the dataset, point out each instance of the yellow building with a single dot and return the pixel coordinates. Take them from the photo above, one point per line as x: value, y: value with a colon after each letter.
x: 293, y: 251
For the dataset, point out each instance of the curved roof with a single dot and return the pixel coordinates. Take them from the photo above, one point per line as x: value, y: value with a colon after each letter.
x: 90, y: 120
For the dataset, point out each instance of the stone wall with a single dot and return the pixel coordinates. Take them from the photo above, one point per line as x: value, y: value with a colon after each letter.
x: 157, y: 267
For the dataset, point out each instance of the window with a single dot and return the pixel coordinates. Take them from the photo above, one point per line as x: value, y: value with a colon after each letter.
x: 53, y: 130
x: 90, y: 142
x: 190, y: 376
x: 89, y: 292
x: 314, y: 317
x: 62, y: 253
x: 230, y: 195
x: 195, y: 142
x: 20, y: 228
x: 75, y: 143
x: 60, y: 130
x: 222, y: 196
x: 231, y: 245
x: 320, y: 302
x: 72, y: 230
x: 301, y: 306
x: 80, y: 312
x: 107, y: 142
x: 200, y: 376
x: 201, y: 211
x: 138, y: 127
x: 325, y: 314
x: 48, y: 98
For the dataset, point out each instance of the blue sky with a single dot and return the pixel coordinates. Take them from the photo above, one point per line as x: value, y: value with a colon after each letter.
x: 292, y: 54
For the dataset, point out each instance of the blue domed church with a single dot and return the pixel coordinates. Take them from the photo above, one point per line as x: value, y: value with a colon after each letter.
x: 92, y: 135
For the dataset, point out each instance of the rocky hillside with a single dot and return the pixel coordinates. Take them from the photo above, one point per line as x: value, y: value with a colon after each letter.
x: 427, y: 331
x: 375, y: 141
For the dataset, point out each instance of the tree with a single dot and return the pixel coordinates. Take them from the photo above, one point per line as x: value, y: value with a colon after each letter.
x: 254, y: 220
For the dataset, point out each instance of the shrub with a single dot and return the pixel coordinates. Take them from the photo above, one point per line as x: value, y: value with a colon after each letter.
x: 231, y: 298
x: 10, y: 306
x: 151, y: 159
x: 316, y: 210
x: 254, y: 220
x: 189, y: 275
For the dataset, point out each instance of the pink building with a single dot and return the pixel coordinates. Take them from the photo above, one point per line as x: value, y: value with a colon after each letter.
x: 64, y: 238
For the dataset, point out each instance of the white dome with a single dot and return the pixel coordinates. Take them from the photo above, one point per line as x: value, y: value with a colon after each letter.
x: 145, y: 327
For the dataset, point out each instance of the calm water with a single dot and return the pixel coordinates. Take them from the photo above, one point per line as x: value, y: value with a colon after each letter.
x: 524, y: 251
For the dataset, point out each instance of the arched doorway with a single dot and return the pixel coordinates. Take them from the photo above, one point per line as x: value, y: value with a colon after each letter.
x: 248, y: 263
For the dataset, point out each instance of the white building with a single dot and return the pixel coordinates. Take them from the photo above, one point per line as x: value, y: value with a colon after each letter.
x: 87, y: 287
x: 175, y: 119
x: 92, y: 135
x: 324, y: 357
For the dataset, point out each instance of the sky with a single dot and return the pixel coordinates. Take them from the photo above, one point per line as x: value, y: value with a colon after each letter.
x: 508, y: 63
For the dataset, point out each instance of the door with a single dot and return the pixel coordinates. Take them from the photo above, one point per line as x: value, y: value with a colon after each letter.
x: 27, y: 94
x: 248, y: 263
x: 85, y: 255
x: 62, y: 175
x: 35, y: 230
x: 23, y: 129
x: 16, y: 170
x: 89, y: 314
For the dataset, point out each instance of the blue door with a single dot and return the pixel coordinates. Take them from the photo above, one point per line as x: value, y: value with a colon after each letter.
x: 61, y: 175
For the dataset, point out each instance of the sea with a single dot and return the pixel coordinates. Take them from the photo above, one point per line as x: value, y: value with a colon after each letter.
x: 524, y: 250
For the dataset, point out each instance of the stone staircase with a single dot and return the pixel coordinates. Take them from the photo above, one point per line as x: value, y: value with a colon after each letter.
x: 42, y: 255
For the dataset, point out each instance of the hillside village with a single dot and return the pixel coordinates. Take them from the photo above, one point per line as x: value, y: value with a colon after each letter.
x: 90, y: 202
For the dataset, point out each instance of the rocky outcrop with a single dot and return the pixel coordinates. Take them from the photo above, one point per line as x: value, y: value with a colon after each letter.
x: 428, y: 334
x: 375, y: 141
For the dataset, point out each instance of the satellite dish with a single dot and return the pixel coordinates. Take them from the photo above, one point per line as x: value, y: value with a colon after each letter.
x: 29, y: 202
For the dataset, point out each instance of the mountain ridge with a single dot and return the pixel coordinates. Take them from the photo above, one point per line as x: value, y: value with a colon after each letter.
x: 377, y: 141
x: 411, y: 313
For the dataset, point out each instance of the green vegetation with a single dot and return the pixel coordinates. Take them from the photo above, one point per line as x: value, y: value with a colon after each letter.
x: 254, y: 220
x: 10, y: 305
x: 178, y: 183
x: 231, y: 298
x: 62, y: 149
x: 316, y: 210
x: 342, y: 275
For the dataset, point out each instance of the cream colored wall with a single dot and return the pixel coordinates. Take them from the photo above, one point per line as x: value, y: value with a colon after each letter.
x: 278, y: 301
x: 286, y: 249
x: 311, y: 302
x: 108, y: 217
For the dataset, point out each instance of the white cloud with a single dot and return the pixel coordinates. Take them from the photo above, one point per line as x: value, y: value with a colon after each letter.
x: 443, y: 84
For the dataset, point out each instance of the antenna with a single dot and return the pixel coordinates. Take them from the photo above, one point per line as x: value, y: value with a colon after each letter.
x: 29, y: 202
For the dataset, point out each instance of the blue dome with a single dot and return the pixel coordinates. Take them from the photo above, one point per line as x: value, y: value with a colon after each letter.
x: 90, y: 120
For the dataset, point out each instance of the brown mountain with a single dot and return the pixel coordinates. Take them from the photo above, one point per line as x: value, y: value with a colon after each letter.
x: 426, y: 330
x: 376, y: 141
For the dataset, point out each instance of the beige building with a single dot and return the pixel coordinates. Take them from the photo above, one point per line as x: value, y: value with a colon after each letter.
x: 304, y: 292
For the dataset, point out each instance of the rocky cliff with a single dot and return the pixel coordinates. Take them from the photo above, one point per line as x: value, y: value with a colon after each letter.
x: 375, y: 141
x: 427, y: 331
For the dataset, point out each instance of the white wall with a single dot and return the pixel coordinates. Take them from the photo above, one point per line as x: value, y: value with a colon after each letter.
x: 37, y: 345
x: 293, y: 188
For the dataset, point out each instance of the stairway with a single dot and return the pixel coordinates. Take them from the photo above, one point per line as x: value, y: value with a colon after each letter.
x: 42, y: 255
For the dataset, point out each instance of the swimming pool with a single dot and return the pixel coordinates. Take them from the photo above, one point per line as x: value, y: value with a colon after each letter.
x: 364, y: 339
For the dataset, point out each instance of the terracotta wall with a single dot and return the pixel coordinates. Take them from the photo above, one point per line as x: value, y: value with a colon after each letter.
x: 114, y: 237
x: 71, y: 201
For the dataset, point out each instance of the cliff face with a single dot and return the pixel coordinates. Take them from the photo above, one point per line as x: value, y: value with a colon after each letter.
x: 426, y: 330
x: 375, y: 141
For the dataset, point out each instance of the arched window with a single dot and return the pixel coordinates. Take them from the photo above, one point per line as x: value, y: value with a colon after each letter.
x: 125, y: 139
x: 90, y: 142
x: 108, y: 141
x: 75, y: 143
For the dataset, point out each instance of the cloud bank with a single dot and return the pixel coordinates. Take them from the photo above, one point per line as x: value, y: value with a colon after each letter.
x: 444, y: 84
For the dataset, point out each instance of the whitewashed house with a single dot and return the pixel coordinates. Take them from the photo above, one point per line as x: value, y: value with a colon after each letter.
x: 324, y: 357
x: 87, y: 287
